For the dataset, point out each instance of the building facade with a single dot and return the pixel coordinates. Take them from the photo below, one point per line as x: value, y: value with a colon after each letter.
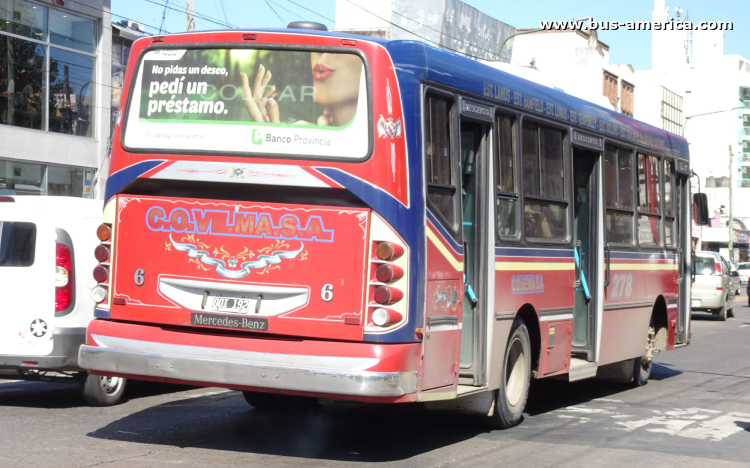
x: 55, y: 67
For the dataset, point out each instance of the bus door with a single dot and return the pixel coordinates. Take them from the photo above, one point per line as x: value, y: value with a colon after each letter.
x: 682, y: 222
x: 474, y: 185
x: 588, y: 252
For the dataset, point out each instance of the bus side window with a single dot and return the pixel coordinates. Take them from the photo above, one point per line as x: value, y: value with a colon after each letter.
x: 440, y: 171
x: 670, y: 226
x: 545, y: 200
x: 618, y: 186
x: 649, y: 216
x: 506, y: 201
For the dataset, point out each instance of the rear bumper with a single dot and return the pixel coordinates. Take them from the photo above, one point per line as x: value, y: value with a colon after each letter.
x: 64, y: 355
x: 710, y: 301
x: 317, y: 367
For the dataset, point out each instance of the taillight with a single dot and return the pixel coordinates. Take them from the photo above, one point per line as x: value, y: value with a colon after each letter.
x: 63, y: 278
x: 387, y: 304
x: 104, y: 232
x: 388, y: 251
x: 387, y: 273
x: 717, y: 269
x: 101, y: 273
x: 102, y: 253
x: 387, y: 295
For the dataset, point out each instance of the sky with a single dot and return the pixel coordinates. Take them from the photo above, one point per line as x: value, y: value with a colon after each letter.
x: 630, y: 47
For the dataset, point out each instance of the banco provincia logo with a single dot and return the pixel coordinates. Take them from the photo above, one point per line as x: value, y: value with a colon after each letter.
x: 257, y: 137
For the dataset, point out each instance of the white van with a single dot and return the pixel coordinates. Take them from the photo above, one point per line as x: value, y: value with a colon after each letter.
x: 46, y: 262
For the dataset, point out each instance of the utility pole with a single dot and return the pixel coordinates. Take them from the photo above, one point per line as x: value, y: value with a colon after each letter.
x: 189, y: 19
x: 732, y: 167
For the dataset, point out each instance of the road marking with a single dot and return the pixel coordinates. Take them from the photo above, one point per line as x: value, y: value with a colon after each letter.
x: 691, y: 423
x: 8, y: 381
x: 744, y: 325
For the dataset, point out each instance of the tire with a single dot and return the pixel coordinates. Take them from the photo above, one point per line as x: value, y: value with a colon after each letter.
x: 510, y: 398
x: 641, y: 372
x: 99, y: 390
x: 277, y: 401
x: 721, y: 314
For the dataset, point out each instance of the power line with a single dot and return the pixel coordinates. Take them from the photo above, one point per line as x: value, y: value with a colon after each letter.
x: 275, y: 13
x: 311, y: 11
x: 195, y: 14
x: 423, y: 38
x: 163, y: 17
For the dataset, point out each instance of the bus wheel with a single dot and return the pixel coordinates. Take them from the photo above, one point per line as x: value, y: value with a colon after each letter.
x: 510, y: 398
x: 641, y: 371
x: 277, y: 401
x: 99, y: 390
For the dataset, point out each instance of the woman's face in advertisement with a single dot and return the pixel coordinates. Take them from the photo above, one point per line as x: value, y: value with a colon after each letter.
x: 335, y: 77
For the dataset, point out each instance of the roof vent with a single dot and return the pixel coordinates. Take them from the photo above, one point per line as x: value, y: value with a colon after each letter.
x: 307, y: 25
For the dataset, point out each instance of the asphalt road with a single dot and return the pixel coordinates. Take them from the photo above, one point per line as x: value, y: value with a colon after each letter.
x: 695, y: 411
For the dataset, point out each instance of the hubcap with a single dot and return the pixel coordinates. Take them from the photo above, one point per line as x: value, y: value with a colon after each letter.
x: 110, y: 385
x: 515, y: 373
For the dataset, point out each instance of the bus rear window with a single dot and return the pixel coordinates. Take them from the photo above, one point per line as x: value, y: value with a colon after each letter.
x: 271, y: 102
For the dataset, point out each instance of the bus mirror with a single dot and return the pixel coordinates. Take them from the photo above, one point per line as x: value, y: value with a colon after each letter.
x: 700, y: 209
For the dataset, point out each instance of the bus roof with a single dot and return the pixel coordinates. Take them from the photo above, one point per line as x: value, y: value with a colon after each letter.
x: 427, y: 62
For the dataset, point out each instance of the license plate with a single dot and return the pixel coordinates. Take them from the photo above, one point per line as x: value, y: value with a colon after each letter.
x: 695, y: 303
x: 230, y: 304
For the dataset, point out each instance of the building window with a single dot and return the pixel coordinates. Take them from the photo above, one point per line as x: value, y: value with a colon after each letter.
x: 25, y: 178
x: 543, y: 165
x: 46, y: 68
x: 627, y: 98
x: 618, y: 186
x: 649, y: 216
x: 440, y: 170
x: 671, y: 111
x: 609, y: 88
x: 506, y: 202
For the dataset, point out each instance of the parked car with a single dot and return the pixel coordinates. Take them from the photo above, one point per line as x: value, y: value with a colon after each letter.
x: 734, y: 274
x: 712, y: 289
x: 46, y: 262
x: 743, y: 268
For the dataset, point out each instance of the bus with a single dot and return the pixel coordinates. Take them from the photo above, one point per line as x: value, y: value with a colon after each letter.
x: 301, y: 214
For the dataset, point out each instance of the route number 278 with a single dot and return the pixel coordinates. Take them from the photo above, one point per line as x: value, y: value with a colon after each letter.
x: 622, y: 286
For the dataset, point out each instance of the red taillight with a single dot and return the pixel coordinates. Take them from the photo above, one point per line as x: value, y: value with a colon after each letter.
x: 157, y: 39
x: 719, y: 288
x: 101, y: 273
x: 63, y: 278
x: 249, y: 37
x: 717, y: 269
x: 387, y: 295
x: 101, y: 253
x: 387, y: 273
x: 7, y: 199
x: 388, y: 251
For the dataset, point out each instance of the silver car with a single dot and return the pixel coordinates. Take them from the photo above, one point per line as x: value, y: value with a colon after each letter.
x: 743, y: 268
x: 712, y: 289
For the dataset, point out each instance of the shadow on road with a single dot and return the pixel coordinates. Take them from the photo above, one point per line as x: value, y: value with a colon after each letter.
x: 342, y: 431
x: 55, y: 395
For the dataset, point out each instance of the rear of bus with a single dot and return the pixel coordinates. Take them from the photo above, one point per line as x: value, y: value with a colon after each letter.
x: 255, y: 219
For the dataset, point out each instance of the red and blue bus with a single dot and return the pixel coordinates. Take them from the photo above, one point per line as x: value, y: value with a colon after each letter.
x: 302, y: 214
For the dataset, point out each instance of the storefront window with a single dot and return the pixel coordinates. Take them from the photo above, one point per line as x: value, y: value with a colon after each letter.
x: 71, y: 31
x: 65, y: 42
x: 24, y: 178
x: 71, y: 89
x: 23, y: 19
x: 65, y: 181
x: 21, y: 178
x: 22, y: 83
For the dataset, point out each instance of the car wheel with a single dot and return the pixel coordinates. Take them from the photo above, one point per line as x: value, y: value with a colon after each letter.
x: 100, y: 390
x: 722, y: 313
x: 510, y: 398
